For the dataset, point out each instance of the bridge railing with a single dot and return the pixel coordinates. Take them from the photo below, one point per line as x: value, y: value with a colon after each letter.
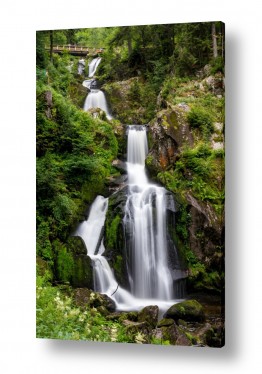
x: 74, y: 48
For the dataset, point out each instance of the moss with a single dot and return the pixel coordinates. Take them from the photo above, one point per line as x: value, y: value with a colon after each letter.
x: 189, y: 310
x: 64, y: 262
x: 192, y: 338
x: 111, y: 231
x: 118, y: 264
x: 173, y: 120
x: 82, y: 272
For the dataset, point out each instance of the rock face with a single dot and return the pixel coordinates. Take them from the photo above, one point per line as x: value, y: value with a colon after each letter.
x: 126, y: 102
x: 114, y: 236
x: 189, y: 310
x: 167, y: 133
x: 149, y: 314
x: 86, y: 298
x: 83, y: 271
x: 205, y: 230
x: 215, y: 83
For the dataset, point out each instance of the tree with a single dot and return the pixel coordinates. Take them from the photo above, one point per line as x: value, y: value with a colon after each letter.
x: 51, y: 45
x: 214, y: 40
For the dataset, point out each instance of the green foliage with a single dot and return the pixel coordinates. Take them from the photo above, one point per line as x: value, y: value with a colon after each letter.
x: 158, y: 341
x: 183, y: 222
x: 218, y: 65
x: 74, y: 155
x: 43, y: 244
x: 41, y: 58
x: 199, y: 118
x: 57, y: 317
x: 200, y: 170
x: 112, y: 230
x: 65, y: 262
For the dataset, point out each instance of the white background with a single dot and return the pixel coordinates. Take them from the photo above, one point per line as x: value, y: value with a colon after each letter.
x: 20, y: 352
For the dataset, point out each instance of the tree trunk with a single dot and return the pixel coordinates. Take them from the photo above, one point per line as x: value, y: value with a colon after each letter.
x: 214, y: 40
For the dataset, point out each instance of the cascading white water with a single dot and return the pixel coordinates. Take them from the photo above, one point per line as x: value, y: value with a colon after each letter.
x: 145, y: 221
x: 96, y: 99
x: 145, y: 218
x: 91, y: 232
x: 93, y: 65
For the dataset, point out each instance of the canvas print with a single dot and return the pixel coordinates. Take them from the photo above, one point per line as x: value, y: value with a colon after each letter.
x: 130, y: 153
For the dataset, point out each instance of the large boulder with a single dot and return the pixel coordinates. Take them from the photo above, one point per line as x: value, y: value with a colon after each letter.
x: 139, y: 332
x: 215, y: 83
x: 166, y: 334
x: 149, y: 314
x: 189, y: 310
x: 83, y: 271
x: 168, y: 132
x: 125, y: 99
x: 114, y: 236
x: 84, y: 297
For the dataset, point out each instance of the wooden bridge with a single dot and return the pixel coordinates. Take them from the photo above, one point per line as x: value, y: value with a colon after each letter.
x: 75, y: 50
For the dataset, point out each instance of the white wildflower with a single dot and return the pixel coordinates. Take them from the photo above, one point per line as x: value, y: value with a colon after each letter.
x: 140, y: 338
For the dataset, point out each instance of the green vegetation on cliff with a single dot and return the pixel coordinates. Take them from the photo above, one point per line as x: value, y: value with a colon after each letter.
x: 74, y: 155
x: 167, y: 76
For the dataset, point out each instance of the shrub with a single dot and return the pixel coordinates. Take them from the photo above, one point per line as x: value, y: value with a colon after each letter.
x: 199, y: 118
x: 217, y: 65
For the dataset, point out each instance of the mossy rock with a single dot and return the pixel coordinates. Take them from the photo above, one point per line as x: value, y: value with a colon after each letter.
x: 189, y: 310
x: 166, y: 334
x: 83, y: 272
x: 134, y: 329
x: 165, y: 322
x: 76, y: 245
x: 85, y: 297
x: 149, y: 314
x: 42, y: 266
x: 130, y: 316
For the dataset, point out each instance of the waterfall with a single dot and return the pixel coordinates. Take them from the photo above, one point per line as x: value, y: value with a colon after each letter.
x: 81, y: 66
x: 145, y: 223
x: 93, y: 65
x: 151, y: 280
x: 95, y: 98
x: 91, y: 232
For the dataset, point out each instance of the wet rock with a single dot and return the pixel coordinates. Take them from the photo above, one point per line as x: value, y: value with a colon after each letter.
x: 206, y: 232
x: 165, y: 322
x: 76, y: 245
x: 83, y: 271
x: 120, y: 165
x: 183, y: 340
x: 136, y: 329
x: 166, y: 333
x: 130, y: 316
x: 215, y: 336
x: 149, y: 314
x: 215, y: 83
x: 168, y: 133
x: 114, y: 238
x: 104, y: 301
x: 125, y: 101
x: 84, y: 297
x: 204, y: 333
x: 189, y: 310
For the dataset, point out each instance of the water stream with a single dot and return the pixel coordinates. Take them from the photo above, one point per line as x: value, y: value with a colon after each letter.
x: 145, y: 223
x: 151, y: 280
x: 95, y: 98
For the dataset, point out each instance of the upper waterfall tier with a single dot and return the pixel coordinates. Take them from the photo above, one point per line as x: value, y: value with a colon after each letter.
x: 93, y: 65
